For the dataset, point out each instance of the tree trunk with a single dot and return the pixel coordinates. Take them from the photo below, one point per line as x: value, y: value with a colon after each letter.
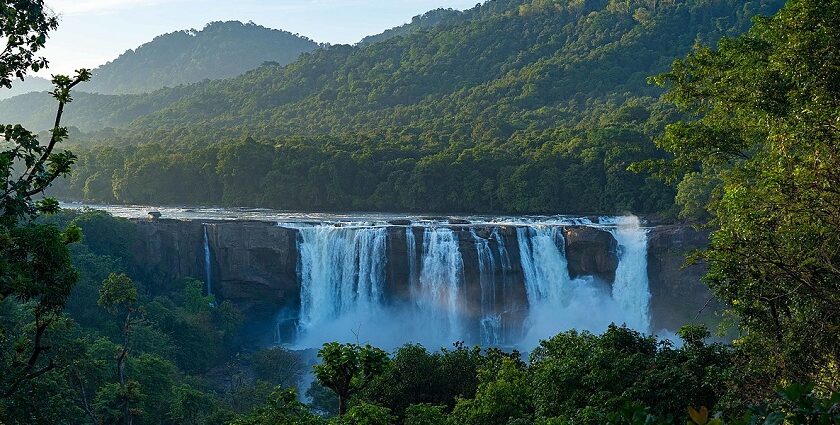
x: 342, y: 404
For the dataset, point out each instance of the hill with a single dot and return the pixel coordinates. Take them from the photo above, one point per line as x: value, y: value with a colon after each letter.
x: 427, y: 20
x: 30, y: 84
x: 220, y: 50
x: 456, y: 116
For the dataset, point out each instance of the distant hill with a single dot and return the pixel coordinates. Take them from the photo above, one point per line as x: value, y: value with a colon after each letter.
x: 30, y: 84
x: 504, y: 65
x: 220, y: 50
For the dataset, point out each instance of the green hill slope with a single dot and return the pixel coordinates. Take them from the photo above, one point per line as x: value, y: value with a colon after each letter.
x: 519, y: 106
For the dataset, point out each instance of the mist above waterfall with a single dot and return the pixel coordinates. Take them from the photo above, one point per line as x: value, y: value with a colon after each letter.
x: 435, y: 283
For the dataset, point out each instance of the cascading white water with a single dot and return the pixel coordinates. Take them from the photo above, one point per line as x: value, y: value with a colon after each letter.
x: 630, y: 289
x: 343, y: 279
x: 441, y: 278
x: 504, y: 258
x: 490, y: 323
x: 208, y: 267
x: 411, y: 253
x: 342, y: 270
x: 543, y: 264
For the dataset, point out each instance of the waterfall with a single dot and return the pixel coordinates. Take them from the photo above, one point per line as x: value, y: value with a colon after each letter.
x: 543, y: 264
x: 344, y: 273
x: 441, y: 278
x: 342, y: 270
x: 504, y: 258
x: 208, y: 267
x: 411, y: 252
x: 490, y: 322
x: 630, y: 289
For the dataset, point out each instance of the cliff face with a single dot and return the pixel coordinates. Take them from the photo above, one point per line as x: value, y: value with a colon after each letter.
x: 168, y: 250
x: 254, y: 265
x: 677, y: 293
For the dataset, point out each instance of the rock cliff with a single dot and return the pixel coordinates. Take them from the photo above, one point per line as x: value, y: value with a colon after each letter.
x: 254, y: 265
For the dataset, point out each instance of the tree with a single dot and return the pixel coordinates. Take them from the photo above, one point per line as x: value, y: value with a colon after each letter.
x: 366, y: 414
x: 281, y: 408
x: 35, y: 271
x: 24, y: 24
x: 763, y: 132
x: 34, y: 263
x: 502, y: 396
x: 348, y: 368
x: 118, y: 296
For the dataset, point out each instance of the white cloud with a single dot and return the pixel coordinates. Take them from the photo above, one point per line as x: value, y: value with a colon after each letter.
x: 80, y: 7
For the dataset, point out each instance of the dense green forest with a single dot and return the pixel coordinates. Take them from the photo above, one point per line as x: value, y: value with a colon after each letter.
x: 457, y: 116
x: 748, y: 132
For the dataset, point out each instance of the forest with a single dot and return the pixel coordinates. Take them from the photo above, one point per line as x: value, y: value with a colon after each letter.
x: 737, y: 132
x: 447, y: 114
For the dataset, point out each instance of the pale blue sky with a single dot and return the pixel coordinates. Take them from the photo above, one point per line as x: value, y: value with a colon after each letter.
x: 93, y: 32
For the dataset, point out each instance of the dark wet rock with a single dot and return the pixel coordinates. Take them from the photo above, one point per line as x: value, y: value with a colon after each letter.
x: 591, y: 252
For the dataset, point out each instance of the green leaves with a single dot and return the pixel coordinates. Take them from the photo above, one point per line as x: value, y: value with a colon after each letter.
x: 24, y: 25
x: 348, y: 368
x: 762, y: 137
x: 118, y: 292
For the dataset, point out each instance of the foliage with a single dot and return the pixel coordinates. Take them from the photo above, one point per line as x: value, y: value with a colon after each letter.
x: 282, y: 407
x: 36, y: 274
x: 582, y: 377
x: 24, y: 25
x: 278, y: 366
x: 502, y: 396
x: 761, y: 131
x: 348, y: 368
x: 366, y: 414
x: 424, y: 414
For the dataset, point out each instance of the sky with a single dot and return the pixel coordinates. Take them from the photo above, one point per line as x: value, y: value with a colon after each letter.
x: 93, y: 32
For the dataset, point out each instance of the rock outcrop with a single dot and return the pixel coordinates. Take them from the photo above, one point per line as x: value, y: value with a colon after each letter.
x: 591, y: 252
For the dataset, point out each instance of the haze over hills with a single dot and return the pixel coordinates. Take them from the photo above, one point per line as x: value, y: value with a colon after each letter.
x: 30, y: 84
x: 219, y: 50
x: 455, y: 115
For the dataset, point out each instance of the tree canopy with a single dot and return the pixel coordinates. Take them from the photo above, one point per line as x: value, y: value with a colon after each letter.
x: 761, y: 141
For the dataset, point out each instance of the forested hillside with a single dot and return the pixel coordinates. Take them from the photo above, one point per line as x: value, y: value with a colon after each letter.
x: 458, y: 116
x: 429, y: 19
